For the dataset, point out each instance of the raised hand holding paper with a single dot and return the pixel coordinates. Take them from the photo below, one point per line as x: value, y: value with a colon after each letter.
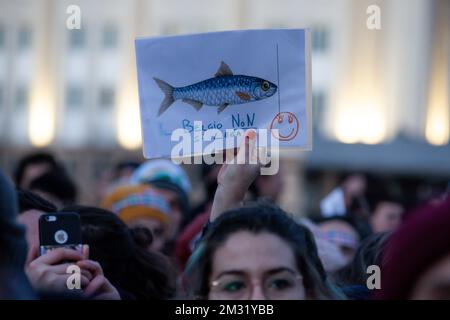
x: 227, y: 82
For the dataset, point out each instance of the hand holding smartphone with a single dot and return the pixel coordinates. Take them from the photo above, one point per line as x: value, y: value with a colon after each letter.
x: 62, y: 229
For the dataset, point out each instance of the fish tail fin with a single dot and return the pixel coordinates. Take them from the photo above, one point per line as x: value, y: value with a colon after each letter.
x: 168, y: 91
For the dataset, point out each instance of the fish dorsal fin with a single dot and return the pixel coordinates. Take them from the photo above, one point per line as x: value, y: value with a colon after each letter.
x: 224, y: 70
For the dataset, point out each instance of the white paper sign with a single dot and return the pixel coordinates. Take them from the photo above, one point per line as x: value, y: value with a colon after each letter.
x: 226, y: 81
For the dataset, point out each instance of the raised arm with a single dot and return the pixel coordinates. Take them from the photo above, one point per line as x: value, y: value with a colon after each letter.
x: 235, y: 177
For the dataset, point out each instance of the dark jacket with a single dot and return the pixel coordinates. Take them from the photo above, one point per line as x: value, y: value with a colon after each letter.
x: 13, y: 246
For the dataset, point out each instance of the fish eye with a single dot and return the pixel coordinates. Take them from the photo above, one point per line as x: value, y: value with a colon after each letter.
x: 265, y: 86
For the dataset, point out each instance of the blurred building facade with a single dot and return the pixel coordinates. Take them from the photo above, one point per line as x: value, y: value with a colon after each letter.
x: 374, y: 91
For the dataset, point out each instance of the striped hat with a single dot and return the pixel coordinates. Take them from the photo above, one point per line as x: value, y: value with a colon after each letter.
x: 166, y: 175
x: 137, y: 202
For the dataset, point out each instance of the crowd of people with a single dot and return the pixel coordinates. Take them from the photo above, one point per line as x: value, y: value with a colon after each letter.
x: 145, y: 240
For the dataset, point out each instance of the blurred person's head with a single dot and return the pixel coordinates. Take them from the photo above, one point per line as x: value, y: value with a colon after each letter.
x: 434, y: 283
x: 115, y: 176
x: 13, y: 246
x: 124, y: 169
x: 55, y: 186
x: 385, y: 211
x: 29, y: 200
x: 344, y: 231
x: 257, y: 252
x: 31, y: 207
x: 173, y: 183
x: 369, y: 253
x: 141, y: 206
x: 143, y: 237
x: 12, y: 236
x: 417, y: 191
x: 32, y: 166
x: 134, y: 271
x: 416, y: 261
x: 329, y: 253
x: 347, y: 197
x: 354, y: 185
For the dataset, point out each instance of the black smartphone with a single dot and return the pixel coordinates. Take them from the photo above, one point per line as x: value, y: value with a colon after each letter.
x: 62, y: 229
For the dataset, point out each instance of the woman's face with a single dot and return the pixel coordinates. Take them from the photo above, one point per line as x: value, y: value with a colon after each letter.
x: 343, y: 235
x: 434, y: 283
x: 252, y: 266
x: 386, y: 217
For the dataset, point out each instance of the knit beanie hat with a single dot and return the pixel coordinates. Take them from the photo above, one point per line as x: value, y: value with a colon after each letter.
x: 136, y: 202
x: 420, y: 242
x: 164, y: 174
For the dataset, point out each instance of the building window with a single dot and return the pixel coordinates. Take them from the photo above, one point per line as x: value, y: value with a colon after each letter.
x: 106, y: 97
x: 320, y: 39
x: 109, y: 37
x: 77, y: 39
x: 21, y: 98
x: 74, y: 97
x: 2, y: 97
x: 2, y: 37
x: 318, y: 106
x: 24, y: 38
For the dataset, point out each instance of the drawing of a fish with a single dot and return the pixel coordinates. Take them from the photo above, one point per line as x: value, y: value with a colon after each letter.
x: 221, y: 91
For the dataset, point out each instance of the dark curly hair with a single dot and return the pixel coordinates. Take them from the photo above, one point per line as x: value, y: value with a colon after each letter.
x: 134, y: 271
